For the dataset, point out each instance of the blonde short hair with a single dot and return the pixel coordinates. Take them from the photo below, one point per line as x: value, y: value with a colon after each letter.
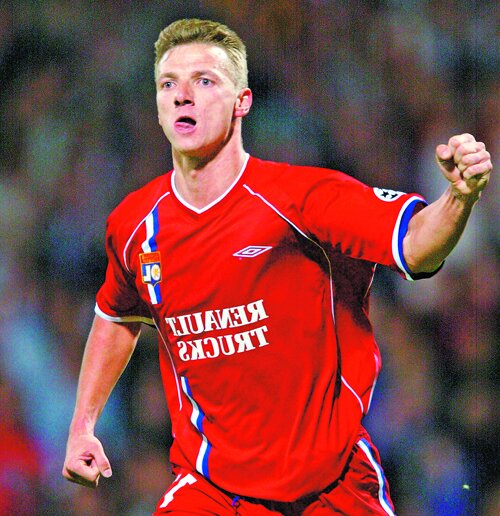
x: 193, y: 30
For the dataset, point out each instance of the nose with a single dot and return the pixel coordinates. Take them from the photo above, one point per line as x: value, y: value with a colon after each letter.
x: 183, y: 95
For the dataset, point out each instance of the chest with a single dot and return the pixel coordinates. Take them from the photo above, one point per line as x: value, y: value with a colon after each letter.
x: 220, y: 258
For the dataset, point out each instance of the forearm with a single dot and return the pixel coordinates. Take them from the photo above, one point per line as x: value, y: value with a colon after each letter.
x: 435, y: 230
x: 107, y: 353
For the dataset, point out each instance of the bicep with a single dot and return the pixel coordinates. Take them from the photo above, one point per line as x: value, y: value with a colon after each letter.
x: 107, y: 352
x: 121, y: 333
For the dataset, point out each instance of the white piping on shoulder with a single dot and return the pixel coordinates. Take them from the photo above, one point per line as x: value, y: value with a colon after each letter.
x: 332, y: 304
x: 136, y: 228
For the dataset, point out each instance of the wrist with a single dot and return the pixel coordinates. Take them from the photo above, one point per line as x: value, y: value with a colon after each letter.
x: 82, y: 425
x: 463, y: 200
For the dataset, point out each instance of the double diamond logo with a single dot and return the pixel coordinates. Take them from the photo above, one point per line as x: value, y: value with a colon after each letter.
x: 252, y: 251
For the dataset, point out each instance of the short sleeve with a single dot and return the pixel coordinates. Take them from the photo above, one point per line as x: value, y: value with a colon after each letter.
x: 361, y: 221
x: 118, y: 300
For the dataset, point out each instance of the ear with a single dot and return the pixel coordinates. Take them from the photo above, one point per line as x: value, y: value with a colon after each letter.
x: 243, y: 103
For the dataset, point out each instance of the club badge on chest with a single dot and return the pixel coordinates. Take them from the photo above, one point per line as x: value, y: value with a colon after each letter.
x: 150, y: 267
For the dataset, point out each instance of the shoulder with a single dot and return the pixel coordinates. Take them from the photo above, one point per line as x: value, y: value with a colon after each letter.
x: 138, y: 204
x: 298, y: 179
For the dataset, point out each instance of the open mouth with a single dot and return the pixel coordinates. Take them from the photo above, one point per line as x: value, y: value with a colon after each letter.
x: 185, y: 121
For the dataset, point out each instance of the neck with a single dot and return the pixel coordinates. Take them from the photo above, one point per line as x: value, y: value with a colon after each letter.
x: 201, y: 181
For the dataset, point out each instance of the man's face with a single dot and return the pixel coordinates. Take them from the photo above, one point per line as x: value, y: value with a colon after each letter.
x: 197, y: 99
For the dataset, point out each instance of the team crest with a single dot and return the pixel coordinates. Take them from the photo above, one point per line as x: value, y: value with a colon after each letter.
x: 151, y: 267
x: 384, y: 194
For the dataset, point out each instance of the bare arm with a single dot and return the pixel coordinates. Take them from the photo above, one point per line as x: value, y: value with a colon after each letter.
x: 435, y: 230
x: 108, y: 350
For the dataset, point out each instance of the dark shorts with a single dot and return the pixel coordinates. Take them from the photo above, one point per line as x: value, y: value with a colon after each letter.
x: 362, y: 490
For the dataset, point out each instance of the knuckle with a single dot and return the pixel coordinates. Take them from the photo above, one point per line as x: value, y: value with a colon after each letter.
x: 470, y: 159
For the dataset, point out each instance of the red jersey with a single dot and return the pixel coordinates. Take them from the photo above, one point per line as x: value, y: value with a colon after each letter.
x: 261, y: 304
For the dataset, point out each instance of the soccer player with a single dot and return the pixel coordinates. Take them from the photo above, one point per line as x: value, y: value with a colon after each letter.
x: 256, y: 276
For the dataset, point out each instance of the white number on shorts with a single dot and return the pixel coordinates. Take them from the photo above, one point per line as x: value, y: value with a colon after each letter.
x: 169, y: 495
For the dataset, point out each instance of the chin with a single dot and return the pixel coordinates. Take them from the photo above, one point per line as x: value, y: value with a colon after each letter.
x: 199, y: 151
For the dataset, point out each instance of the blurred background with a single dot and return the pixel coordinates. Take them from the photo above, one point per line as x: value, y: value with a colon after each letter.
x: 369, y: 88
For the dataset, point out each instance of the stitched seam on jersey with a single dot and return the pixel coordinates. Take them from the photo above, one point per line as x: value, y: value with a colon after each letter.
x: 264, y: 200
x: 344, y: 381
x: 397, y: 245
x: 199, y: 211
x: 382, y: 482
x: 377, y: 371
x: 124, y: 256
x: 371, y: 281
x: 173, y: 367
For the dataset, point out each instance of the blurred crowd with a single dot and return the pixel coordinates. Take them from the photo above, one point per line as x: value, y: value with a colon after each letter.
x: 369, y: 88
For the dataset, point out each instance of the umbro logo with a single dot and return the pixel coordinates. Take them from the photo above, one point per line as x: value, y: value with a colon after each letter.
x: 252, y: 251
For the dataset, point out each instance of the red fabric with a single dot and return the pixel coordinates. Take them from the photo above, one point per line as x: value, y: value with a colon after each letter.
x: 358, y: 492
x: 252, y: 294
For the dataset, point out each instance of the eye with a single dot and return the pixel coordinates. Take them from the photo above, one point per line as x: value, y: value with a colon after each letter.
x: 167, y: 85
x: 205, y: 82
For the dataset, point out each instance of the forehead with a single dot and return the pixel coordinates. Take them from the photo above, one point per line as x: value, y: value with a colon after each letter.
x: 193, y: 56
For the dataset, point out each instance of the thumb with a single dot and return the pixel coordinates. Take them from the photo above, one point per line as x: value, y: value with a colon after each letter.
x: 106, y: 472
x: 444, y: 158
x: 105, y: 469
x: 103, y: 464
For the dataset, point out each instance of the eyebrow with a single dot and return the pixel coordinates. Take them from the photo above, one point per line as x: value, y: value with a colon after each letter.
x: 196, y: 73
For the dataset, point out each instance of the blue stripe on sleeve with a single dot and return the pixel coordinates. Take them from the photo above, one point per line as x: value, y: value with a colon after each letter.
x: 403, y: 228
